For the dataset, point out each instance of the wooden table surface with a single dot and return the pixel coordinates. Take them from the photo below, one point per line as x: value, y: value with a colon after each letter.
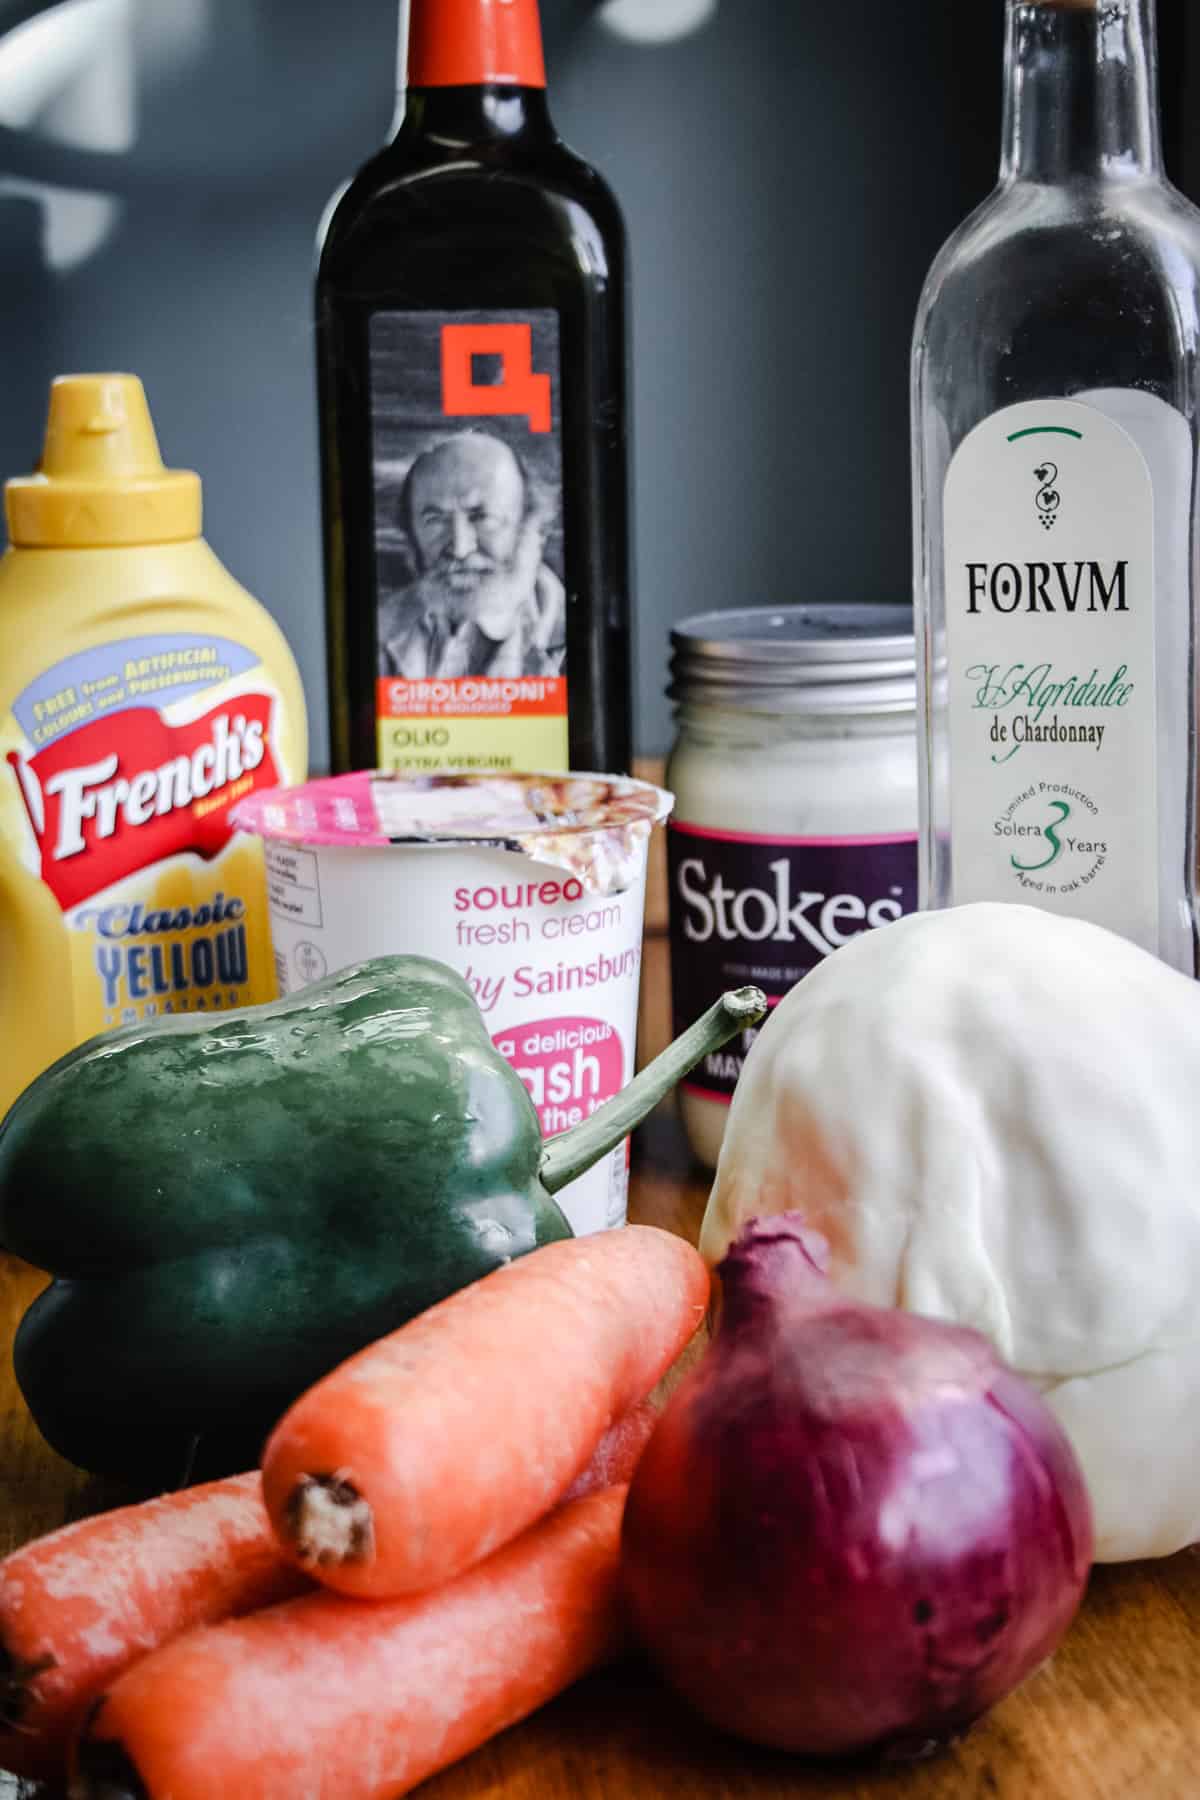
x: 1115, y: 1716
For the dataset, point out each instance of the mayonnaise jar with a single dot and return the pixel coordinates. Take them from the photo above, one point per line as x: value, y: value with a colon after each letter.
x: 795, y: 825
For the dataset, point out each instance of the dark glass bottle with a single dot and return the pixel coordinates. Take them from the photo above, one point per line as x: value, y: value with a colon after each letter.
x: 471, y: 333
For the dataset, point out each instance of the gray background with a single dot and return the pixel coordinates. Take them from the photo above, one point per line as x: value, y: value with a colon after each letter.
x: 787, y: 175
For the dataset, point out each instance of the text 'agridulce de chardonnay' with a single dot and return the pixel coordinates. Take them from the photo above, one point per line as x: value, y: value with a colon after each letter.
x: 1055, y: 433
x: 471, y: 333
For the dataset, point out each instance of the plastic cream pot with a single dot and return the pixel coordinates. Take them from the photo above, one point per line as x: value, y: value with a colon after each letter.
x: 531, y: 886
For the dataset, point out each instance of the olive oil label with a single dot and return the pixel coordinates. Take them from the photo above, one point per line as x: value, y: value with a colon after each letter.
x: 120, y: 766
x: 1056, y: 557
x: 767, y: 911
x: 471, y: 602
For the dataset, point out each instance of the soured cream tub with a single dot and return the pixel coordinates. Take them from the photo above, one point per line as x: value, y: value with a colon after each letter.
x: 531, y: 886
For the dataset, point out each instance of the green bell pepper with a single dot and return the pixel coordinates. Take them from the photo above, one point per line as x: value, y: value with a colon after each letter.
x: 231, y: 1206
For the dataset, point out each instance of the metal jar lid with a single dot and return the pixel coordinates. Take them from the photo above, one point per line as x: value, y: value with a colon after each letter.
x: 840, y: 657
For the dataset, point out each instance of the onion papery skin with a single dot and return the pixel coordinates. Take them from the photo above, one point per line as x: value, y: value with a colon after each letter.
x: 853, y: 1529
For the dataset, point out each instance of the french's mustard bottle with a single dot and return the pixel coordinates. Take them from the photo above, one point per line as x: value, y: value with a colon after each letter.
x: 142, y: 693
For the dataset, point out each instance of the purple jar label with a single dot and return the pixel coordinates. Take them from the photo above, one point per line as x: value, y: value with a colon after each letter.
x: 767, y: 910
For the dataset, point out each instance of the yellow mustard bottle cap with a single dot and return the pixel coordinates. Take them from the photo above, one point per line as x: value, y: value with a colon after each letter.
x: 101, y: 479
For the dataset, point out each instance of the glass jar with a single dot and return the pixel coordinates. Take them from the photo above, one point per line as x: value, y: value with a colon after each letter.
x: 795, y: 824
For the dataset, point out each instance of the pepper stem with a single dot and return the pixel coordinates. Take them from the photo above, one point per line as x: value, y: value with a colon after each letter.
x: 574, y: 1152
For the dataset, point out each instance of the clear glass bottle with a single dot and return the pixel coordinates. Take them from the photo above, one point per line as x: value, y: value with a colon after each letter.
x: 795, y: 821
x: 1054, y: 453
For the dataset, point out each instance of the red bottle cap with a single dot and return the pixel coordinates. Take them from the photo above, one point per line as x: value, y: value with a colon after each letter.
x: 475, y: 43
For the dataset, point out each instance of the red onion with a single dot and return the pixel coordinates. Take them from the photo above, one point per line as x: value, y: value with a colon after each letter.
x: 852, y: 1528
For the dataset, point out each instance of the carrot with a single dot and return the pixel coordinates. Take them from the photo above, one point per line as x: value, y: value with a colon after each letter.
x: 77, y: 1607
x: 80, y: 1605
x: 434, y: 1446
x: 617, y: 1455
x: 327, y: 1698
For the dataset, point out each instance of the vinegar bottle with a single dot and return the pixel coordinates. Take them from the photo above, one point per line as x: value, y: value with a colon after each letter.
x: 471, y: 339
x: 1054, y: 450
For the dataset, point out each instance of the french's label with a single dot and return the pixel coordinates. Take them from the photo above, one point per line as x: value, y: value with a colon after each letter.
x: 109, y: 797
x: 471, y: 603
x: 766, y: 911
x: 124, y: 761
x: 1051, y: 685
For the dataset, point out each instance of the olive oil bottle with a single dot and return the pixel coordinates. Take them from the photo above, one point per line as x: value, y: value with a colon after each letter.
x: 471, y: 332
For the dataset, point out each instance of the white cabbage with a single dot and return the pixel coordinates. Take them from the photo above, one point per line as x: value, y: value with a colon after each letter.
x: 993, y: 1115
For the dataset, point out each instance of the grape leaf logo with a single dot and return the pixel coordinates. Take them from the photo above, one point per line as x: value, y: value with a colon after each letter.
x: 1048, y: 497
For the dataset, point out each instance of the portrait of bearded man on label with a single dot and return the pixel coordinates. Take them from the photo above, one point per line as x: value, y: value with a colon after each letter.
x: 483, y: 601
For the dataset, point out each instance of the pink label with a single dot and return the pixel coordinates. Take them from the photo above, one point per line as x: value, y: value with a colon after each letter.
x: 570, y: 1067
